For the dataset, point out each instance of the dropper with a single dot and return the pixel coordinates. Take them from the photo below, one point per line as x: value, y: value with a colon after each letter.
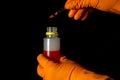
x: 56, y: 13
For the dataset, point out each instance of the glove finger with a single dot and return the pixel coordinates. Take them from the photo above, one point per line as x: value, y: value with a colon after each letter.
x: 79, y: 14
x: 45, y: 62
x: 63, y: 59
x: 40, y: 71
x: 86, y: 14
x: 72, y: 13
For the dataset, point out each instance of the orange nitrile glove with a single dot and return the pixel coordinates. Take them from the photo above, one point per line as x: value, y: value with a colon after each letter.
x: 65, y: 70
x: 80, y: 8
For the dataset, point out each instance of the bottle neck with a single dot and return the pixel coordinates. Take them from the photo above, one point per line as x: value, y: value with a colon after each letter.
x: 51, y: 36
x: 51, y: 32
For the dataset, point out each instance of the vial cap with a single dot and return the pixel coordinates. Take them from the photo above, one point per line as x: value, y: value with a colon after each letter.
x: 52, y: 31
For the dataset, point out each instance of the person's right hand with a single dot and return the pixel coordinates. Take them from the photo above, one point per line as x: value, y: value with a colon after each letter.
x: 65, y: 70
x: 82, y: 8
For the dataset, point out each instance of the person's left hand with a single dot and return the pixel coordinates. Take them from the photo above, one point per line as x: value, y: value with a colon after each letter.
x: 65, y: 70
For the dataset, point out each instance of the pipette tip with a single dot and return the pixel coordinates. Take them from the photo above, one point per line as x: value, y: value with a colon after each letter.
x: 56, y: 13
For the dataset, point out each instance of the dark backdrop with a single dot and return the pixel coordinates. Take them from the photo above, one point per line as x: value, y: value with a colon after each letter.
x: 94, y: 43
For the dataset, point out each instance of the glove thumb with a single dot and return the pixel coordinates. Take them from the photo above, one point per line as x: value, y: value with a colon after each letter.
x: 40, y: 71
x: 63, y: 59
x: 45, y: 62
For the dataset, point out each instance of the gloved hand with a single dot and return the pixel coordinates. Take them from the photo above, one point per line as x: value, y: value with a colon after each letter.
x: 65, y: 70
x: 79, y: 8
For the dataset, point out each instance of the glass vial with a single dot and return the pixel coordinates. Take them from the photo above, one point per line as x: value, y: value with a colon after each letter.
x: 51, y: 44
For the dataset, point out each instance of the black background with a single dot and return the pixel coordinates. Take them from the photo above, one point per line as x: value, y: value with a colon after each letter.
x: 94, y: 43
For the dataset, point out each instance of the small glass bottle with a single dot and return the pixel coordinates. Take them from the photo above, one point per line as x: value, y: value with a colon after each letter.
x: 51, y: 44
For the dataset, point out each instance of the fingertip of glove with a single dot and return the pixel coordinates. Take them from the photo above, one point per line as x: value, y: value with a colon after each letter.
x: 66, y: 6
x: 41, y: 59
x: 63, y: 59
x: 109, y: 79
x: 39, y: 56
x: 45, y: 62
x: 40, y: 71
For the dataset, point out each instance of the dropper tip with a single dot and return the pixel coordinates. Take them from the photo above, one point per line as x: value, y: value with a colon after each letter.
x: 56, y: 13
